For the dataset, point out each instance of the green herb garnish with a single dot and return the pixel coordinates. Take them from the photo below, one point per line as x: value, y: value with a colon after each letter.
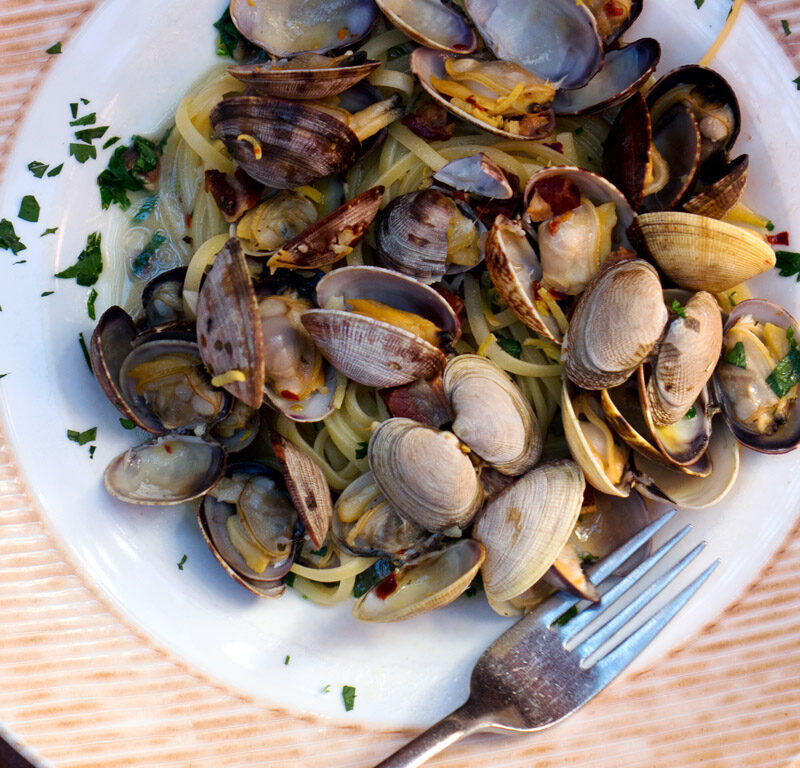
x: 89, y: 119
x: 785, y: 374
x: 89, y: 264
x: 47, y: 293
x: 49, y: 231
x: 141, y: 264
x: 677, y: 308
x: 108, y: 142
x: 770, y: 226
x: 3, y: 375
x: 121, y: 177
x: 55, y: 171
x: 182, y: 562
x: 567, y: 616
x: 90, y: 304
x: 128, y: 423
x: 348, y: 697
x: 691, y: 413
x: 326, y: 689
x: 73, y: 108
x: 92, y: 449
x: 29, y: 208
x: 8, y: 237
x: 796, y: 81
x: 286, y: 659
x: 81, y: 438
x: 85, y: 351
x: 83, y: 152
x: 788, y: 264
x: 787, y: 30
x: 588, y: 557
x: 361, y: 450
x: 229, y: 37
x: 510, y: 346
x: 55, y: 48
x: 699, y: 3
x: 146, y: 208
x: 737, y: 356
x: 790, y: 337
x: 38, y: 169
x: 90, y: 134
x: 367, y: 579
x: 731, y: 299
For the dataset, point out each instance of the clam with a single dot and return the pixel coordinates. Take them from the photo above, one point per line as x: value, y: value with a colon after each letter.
x: 476, y: 174
x: 525, y: 527
x: 380, y: 328
x: 499, y: 96
x: 578, y: 217
x: 167, y: 469
x: 285, y: 144
x: 162, y: 298
x: 432, y: 581
x: 111, y: 342
x: 228, y: 328
x: 719, y: 190
x: 613, y: 17
x: 365, y: 523
x: 426, y: 234
x: 624, y: 71
x: 566, y: 574
x: 432, y: 23
x: 239, y: 427
x: 615, y: 324
x: 756, y: 379
x: 425, y: 475
x: 288, y: 28
x: 516, y: 273
x: 307, y: 76
x: 698, y: 253
x: 274, y: 222
x: 555, y: 39
x: 490, y: 414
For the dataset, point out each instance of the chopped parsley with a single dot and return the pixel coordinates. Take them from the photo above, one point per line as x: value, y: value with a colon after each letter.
x: 796, y: 81
x: 3, y: 375
x: 677, y: 308
x: 8, y: 237
x: 790, y: 337
x: 81, y: 438
x: 119, y: 177
x: 326, y: 689
x: 29, y: 208
x: 127, y: 423
x: 89, y: 264
x: 146, y: 208
x: 85, y: 351
x: 182, y: 562
x: 348, y: 697
x: 785, y: 374
x: 770, y: 226
x: 367, y: 579
x: 108, y: 142
x: 788, y: 264
x: 588, y: 557
x: 400, y: 50
x: 73, y: 108
x: 89, y: 119
x: 732, y: 301
x: 510, y: 346
x: 47, y: 293
x: 49, y: 231
x: 691, y: 413
x: 92, y: 449
x: 55, y: 171
x: 141, y: 263
x: 699, y: 3
x: 361, y: 450
x: 787, y: 30
x: 567, y: 616
x: 90, y: 134
x: 737, y: 356
x: 38, y: 169
x: 90, y: 304
x: 286, y: 660
x: 229, y: 37
x: 83, y: 152
x: 55, y: 48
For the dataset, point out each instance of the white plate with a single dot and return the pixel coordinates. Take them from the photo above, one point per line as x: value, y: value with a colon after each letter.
x: 133, y: 63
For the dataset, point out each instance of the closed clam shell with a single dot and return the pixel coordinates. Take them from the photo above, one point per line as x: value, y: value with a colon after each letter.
x: 167, y: 469
x: 287, y: 143
x: 425, y: 474
x: 432, y: 581
x: 228, y: 325
x: 719, y: 198
x: 514, y: 267
x: 699, y: 253
x: 491, y: 415
x: 686, y: 359
x: 525, y: 528
x: 371, y: 351
x: 615, y: 325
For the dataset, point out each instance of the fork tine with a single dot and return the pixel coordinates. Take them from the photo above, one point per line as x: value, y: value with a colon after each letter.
x: 591, y: 644
x: 554, y: 606
x: 605, y: 670
x: 587, y: 616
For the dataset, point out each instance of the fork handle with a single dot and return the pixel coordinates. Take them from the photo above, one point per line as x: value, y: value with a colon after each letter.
x: 462, y: 722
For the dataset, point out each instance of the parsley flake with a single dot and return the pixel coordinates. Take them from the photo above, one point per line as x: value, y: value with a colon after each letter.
x: 126, y: 170
x: 326, y: 689
x: 73, y: 108
x: 796, y: 81
x: 737, y: 356
x: 29, y: 208
x: 368, y: 578
x: 128, y: 423
x: 699, y: 3
x: 47, y: 293
x: 361, y: 450
x: 55, y: 171
x: 348, y: 697
x: 38, y: 169
x: 182, y: 562
x: 790, y: 337
x: 81, y: 438
x: 146, y: 208
x: 90, y: 304
x: 229, y: 37
x: 785, y: 374
x: 49, y: 231
x: 89, y: 119
x: 90, y: 134
x: 85, y: 351
x: 770, y: 226
x: 55, y: 48
x: 89, y: 264
x: 510, y: 346
x: 677, y: 308
x: 3, y: 375
x: 691, y: 413
x: 108, y: 142
x: 92, y: 449
x: 286, y: 660
x: 567, y: 616
x: 788, y: 264
x: 83, y: 152
x: 141, y: 263
x: 8, y: 237
x: 787, y: 30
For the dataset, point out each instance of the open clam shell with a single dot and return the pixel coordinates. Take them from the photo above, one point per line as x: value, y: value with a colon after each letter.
x: 698, y: 253
x: 717, y: 198
x: 431, y: 23
x: 432, y: 581
x: 614, y: 17
x: 526, y: 526
x: 167, y: 469
x: 287, y: 28
x: 425, y: 474
x: 111, y: 342
x: 162, y: 298
x: 229, y: 328
x: 477, y: 174
x: 491, y: 415
x: 624, y: 71
x: 555, y: 39
x: 371, y: 351
x: 743, y: 392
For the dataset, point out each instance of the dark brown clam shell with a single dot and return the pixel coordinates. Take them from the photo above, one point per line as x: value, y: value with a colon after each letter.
x: 717, y: 199
x: 111, y: 342
x: 162, y: 297
x: 294, y: 143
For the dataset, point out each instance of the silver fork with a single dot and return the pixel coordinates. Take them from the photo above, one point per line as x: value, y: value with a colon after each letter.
x: 539, y: 671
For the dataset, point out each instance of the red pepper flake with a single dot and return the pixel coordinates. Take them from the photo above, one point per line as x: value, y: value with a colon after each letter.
x: 556, y: 145
x: 385, y: 588
x: 782, y: 238
x: 187, y: 220
x: 554, y: 225
x: 612, y: 9
x: 342, y: 33
x: 168, y: 448
x: 289, y: 395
